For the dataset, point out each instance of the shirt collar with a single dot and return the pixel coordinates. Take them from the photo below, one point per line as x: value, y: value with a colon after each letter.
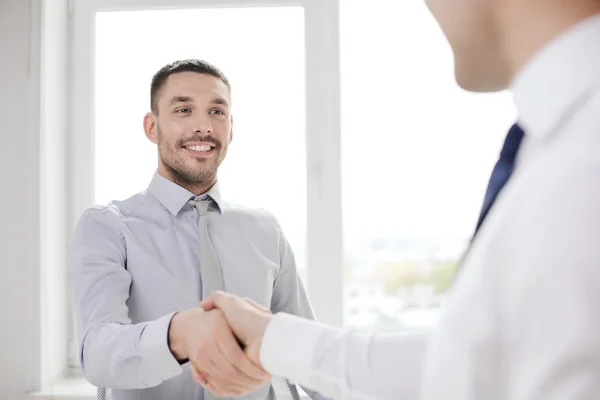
x: 174, y: 197
x: 558, y: 76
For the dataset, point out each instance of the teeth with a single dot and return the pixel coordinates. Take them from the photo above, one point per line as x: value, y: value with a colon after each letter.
x: 199, y: 148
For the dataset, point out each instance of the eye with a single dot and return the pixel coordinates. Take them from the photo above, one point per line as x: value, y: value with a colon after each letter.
x: 183, y: 110
x: 217, y: 111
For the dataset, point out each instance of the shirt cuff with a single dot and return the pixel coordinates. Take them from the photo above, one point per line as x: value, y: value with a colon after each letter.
x: 288, y: 347
x: 159, y: 362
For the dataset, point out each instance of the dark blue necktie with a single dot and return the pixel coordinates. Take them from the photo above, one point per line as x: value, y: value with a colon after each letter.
x: 502, y: 171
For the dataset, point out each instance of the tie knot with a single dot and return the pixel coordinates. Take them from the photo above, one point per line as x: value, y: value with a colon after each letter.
x: 201, y: 205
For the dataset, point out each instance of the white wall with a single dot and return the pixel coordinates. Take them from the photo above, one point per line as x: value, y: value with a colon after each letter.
x: 32, y: 193
x: 19, y: 198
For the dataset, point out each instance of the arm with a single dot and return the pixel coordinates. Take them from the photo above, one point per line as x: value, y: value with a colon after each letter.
x: 388, y: 356
x: 341, y: 364
x: 113, y: 352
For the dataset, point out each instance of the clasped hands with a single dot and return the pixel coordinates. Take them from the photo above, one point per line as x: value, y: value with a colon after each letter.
x: 210, y: 337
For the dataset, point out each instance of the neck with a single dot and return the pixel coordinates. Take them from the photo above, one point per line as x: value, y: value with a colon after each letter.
x: 527, y: 26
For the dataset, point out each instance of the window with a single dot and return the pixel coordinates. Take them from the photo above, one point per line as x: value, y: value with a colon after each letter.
x: 265, y: 166
x: 417, y: 152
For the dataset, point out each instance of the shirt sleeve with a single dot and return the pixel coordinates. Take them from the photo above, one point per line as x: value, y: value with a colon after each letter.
x: 344, y: 364
x: 113, y: 352
x: 289, y: 293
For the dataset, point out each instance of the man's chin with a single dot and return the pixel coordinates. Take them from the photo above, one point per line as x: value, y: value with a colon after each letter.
x: 191, y: 176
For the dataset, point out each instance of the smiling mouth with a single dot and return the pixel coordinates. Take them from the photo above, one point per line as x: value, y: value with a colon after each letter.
x: 200, y: 150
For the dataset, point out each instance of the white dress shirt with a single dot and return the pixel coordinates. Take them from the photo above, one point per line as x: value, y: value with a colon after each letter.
x: 522, y: 321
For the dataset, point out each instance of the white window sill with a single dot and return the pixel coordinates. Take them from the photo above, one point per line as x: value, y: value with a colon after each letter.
x: 67, y: 389
x: 80, y: 389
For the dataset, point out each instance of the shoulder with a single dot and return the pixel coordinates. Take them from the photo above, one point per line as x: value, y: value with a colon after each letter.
x: 115, y: 211
x: 105, y: 220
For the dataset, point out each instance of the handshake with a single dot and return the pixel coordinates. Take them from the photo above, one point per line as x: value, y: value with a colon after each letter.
x: 222, y: 339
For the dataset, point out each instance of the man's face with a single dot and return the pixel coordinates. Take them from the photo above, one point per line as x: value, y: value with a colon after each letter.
x: 193, y: 127
x: 471, y: 29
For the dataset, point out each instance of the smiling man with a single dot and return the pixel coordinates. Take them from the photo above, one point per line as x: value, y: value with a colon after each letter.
x: 140, y: 267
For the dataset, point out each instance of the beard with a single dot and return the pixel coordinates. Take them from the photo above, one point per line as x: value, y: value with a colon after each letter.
x: 204, y: 173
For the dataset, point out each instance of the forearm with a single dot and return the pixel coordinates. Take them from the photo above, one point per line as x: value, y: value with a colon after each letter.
x: 135, y: 356
x: 340, y: 364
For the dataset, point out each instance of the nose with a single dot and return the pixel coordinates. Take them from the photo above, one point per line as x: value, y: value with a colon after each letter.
x: 202, y: 125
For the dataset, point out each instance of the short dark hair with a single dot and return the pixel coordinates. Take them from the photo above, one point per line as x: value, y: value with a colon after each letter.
x: 191, y: 65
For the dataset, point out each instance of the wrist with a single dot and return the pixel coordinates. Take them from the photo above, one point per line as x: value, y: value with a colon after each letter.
x: 261, y: 326
x: 263, y: 322
x: 176, y: 336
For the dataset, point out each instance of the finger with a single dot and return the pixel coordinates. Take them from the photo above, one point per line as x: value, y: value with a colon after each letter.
x: 238, y: 358
x: 256, y: 305
x: 245, y: 366
x: 214, y: 382
x: 226, y: 382
x: 232, y: 378
x: 208, y: 303
x: 205, y: 370
x: 217, y: 369
x: 225, y: 302
x: 220, y: 392
x: 234, y: 361
x: 198, y: 375
x: 214, y: 300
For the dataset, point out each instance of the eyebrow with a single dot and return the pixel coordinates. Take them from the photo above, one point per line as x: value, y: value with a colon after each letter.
x: 180, y: 99
x: 186, y: 99
x: 220, y: 100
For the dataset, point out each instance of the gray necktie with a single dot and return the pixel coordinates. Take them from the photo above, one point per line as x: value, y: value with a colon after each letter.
x: 210, y: 270
x: 102, y: 394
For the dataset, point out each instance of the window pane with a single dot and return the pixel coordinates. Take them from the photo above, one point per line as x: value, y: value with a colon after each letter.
x: 416, y: 156
x: 260, y: 50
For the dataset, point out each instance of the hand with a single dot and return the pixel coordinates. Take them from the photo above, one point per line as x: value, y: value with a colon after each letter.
x: 247, y: 320
x: 216, y: 360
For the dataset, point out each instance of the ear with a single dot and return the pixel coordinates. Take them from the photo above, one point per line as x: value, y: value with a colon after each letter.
x: 231, y: 130
x: 151, y: 127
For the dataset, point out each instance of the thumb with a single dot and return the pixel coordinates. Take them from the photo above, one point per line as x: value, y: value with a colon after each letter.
x: 211, y: 301
x: 208, y: 304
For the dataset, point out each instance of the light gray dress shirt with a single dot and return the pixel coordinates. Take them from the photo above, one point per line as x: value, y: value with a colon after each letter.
x: 134, y: 263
